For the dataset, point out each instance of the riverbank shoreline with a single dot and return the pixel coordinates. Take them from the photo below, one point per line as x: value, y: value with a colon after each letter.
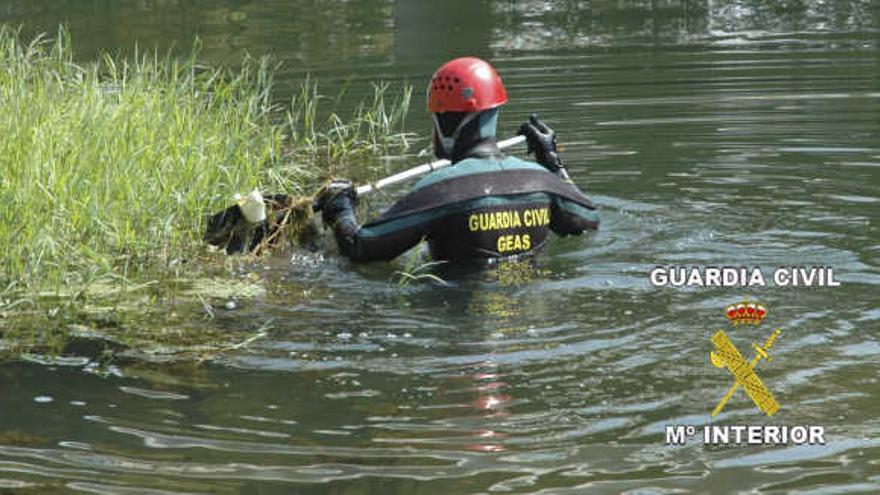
x: 112, y: 166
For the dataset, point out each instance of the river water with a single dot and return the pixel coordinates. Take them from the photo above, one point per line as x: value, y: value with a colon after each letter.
x: 715, y: 133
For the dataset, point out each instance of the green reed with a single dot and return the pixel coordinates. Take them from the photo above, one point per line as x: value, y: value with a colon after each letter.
x: 110, y: 167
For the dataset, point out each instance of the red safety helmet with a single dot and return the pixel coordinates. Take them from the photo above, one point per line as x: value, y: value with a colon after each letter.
x: 466, y: 84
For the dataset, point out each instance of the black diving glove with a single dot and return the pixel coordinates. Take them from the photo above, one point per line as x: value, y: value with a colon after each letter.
x: 336, y: 198
x: 541, y: 140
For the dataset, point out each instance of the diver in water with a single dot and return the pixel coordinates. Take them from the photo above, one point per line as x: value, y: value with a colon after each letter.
x: 487, y: 205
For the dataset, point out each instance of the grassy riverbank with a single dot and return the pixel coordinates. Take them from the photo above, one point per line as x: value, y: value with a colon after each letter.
x: 110, y: 167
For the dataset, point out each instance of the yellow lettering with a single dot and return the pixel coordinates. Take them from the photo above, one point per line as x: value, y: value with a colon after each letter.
x: 545, y: 216
x: 537, y: 217
x: 514, y: 242
x: 498, y: 220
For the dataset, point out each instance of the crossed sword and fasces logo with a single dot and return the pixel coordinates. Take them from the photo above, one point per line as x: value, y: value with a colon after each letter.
x: 727, y: 355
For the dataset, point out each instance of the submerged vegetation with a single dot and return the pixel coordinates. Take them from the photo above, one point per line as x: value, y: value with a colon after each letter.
x: 416, y: 270
x: 110, y: 168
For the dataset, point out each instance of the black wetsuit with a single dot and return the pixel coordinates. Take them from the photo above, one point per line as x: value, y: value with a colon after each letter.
x: 484, y: 206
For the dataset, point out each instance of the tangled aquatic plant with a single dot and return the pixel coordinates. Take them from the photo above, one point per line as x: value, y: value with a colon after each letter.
x: 112, y: 166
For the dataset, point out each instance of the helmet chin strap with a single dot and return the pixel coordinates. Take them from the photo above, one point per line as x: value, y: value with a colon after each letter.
x: 447, y: 143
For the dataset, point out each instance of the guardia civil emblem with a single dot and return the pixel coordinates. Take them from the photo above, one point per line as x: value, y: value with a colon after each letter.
x: 726, y: 355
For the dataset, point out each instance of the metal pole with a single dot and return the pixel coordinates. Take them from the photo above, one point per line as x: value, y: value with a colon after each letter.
x: 425, y: 168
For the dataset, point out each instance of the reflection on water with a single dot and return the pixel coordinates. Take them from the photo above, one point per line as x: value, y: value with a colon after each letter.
x: 726, y: 133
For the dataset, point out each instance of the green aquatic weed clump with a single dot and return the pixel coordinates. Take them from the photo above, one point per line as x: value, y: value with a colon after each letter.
x: 114, y: 164
x: 109, y: 168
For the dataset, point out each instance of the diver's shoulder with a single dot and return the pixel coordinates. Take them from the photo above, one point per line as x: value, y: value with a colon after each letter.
x: 470, y: 166
x: 465, y: 167
x: 512, y: 162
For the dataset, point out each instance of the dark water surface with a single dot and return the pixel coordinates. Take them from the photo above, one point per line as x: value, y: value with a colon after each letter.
x: 711, y: 133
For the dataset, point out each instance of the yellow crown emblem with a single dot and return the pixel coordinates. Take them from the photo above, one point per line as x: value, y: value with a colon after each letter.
x: 746, y: 312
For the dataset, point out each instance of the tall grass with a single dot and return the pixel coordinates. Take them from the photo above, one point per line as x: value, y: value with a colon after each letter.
x: 365, y: 131
x: 116, y: 161
x: 108, y: 168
